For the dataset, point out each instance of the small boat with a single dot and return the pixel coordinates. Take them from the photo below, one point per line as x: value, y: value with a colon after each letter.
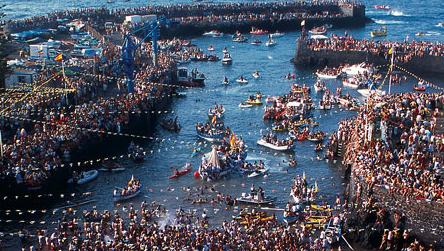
x: 240, y: 39
x: 120, y: 197
x: 419, y: 88
x: 211, y: 48
x: 382, y: 7
x: 213, y: 58
x: 219, y: 113
x: 350, y: 83
x: 270, y: 99
x: 256, y: 74
x: 212, y: 33
x: 290, y: 219
x: 248, y: 199
x: 277, y: 34
x: 270, y: 43
x: 171, y: 125
x: 256, y: 31
x: 258, y: 172
x: 256, y: 42
x: 302, y: 136
x: 226, y: 60
x: 419, y: 33
x: 254, y: 102
x: 318, y: 30
x: 440, y: 24
x: 326, y: 76
x: 367, y: 92
x: 379, y: 33
x: 242, y: 105
x: 211, y: 138
x: 274, y: 147
x: 242, y: 80
x: 84, y: 177
x: 195, y: 152
x: 224, y: 50
x: 185, y: 169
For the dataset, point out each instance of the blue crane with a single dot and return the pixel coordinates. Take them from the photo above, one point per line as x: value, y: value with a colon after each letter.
x: 129, y: 48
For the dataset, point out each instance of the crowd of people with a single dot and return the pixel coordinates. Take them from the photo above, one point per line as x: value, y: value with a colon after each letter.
x: 404, y: 51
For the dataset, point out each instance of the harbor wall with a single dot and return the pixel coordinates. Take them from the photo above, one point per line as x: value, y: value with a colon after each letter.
x: 304, y: 56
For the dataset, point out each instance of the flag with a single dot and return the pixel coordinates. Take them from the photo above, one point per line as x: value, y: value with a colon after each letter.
x: 303, y: 23
x: 232, y: 139
x: 40, y: 52
x: 214, y: 119
x: 59, y: 57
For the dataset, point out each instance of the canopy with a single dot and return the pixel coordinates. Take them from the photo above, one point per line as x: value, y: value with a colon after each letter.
x: 213, y: 159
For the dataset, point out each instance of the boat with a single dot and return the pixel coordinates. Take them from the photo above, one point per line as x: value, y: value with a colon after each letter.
x: 367, y: 92
x: 302, y: 136
x: 379, y: 33
x: 190, y: 80
x: 245, y: 215
x: 114, y: 170
x: 258, y: 172
x: 270, y: 99
x: 84, y: 177
x: 277, y: 34
x: 419, y: 33
x: 171, y: 125
x: 120, y: 197
x: 256, y: 74
x: 262, y: 142
x: 256, y: 31
x: 249, y: 200
x: 213, y: 58
x: 211, y: 48
x: 319, y: 86
x: 212, y: 33
x: 185, y: 169
x: 318, y: 30
x: 270, y: 43
x: 195, y: 152
x: 242, y: 80
x: 242, y: 105
x: 219, y: 113
x: 290, y: 219
x: 240, y: 39
x: 226, y: 60
x: 361, y: 68
x: 211, y: 138
x: 256, y: 42
x: 224, y: 50
x: 326, y: 76
x: 350, y: 83
x: 382, y: 7
x: 253, y: 102
x: 419, y: 88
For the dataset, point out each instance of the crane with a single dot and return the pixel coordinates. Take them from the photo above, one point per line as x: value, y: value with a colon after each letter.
x: 129, y: 47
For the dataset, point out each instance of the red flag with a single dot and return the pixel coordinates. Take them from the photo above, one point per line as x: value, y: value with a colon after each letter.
x: 59, y: 57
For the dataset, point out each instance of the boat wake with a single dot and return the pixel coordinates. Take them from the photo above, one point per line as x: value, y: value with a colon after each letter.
x: 397, y: 13
x: 380, y: 21
x: 432, y: 33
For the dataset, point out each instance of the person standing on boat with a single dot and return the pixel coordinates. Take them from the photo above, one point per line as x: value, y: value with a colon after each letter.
x: 253, y: 191
x: 260, y: 194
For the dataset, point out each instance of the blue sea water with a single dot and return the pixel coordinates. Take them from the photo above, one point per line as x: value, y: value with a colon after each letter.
x: 407, y: 18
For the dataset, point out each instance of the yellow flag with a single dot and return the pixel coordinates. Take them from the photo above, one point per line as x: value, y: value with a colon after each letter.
x: 303, y: 23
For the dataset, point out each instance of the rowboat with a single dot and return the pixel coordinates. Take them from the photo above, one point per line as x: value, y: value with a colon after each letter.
x: 248, y: 199
x: 274, y: 147
x: 84, y: 177
x: 185, y: 169
x: 243, y: 216
x: 120, y: 197
x: 258, y: 172
x: 254, y: 102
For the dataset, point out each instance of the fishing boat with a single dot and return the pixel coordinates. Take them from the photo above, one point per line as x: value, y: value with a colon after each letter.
x: 122, y: 197
x: 382, y: 7
x: 185, y: 169
x: 379, y: 33
x: 258, y: 172
x: 242, y: 105
x: 277, y: 34
x: 249, y: 200
x: 84, y: 177
x: 262, y: 142
x: 318, y: 30
x: 226, y: 60
x: 270, y: 42
x: 256, y: 31
x: 242, y: 80
x: 193, y: 80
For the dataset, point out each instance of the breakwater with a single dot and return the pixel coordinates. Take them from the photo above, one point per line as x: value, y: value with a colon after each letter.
x: 308, y: 54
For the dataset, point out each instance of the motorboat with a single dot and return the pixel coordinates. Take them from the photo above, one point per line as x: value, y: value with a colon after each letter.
x: 213, y: 58
x: 212, y: 33
x: 256, y: 31
x: 258, y: 172
x: 240, y: 39
x: 326, y: 76
x: 242, y: 80
x: 318, y: 30
x: 262, y: 142
x: 277, y: 34
x: 367, y: 92
x: 122, y: 197
x: 256, y: 74
x: 243, y: 105
x: 419, y: 88
x: 193, y: 80
x: 356, y: 69
x: 227, y: 60
x: 379, y: 33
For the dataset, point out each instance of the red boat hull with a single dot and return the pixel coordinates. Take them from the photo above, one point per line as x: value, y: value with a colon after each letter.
x: 181, y: 172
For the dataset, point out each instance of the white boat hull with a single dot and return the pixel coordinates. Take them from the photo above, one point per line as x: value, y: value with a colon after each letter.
x: 87, y: 177
x: 274, y: 147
